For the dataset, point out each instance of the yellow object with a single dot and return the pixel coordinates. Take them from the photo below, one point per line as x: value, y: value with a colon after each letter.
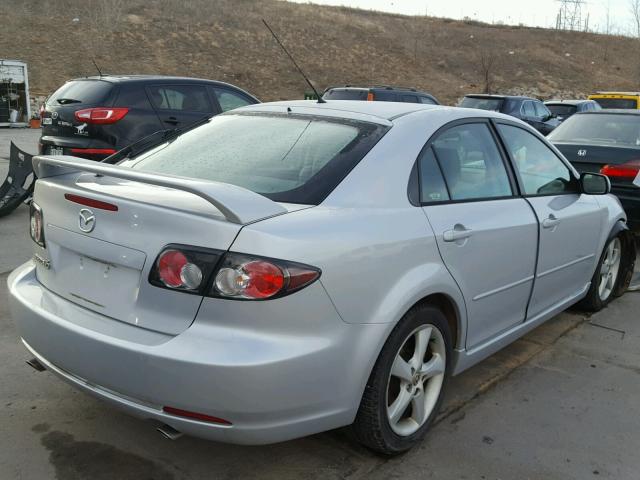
x: 624, y: 100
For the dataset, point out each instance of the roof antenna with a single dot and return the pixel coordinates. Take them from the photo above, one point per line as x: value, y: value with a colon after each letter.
x: 96, y: 65
x: 320, y: 99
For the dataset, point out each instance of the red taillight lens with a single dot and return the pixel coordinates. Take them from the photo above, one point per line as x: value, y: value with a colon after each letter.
x: 370, y: 97
x: 41, y: 111
x: 251, y: 278
x: 91, y: 202
x: 176, y: 271
x: 93, y: 151
x: 101, y: 115
x: 628, y: 170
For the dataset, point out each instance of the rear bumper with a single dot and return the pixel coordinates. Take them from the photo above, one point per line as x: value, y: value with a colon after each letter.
x: 270, y: 387
x: 92, y: 149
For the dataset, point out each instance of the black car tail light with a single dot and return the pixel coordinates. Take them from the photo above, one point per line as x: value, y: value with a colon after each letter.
x: 228, y: 275
x: 101, y: 115
x: 36, y: 224
x: 624, y: 171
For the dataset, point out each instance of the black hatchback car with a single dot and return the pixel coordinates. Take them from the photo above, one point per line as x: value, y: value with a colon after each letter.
x: 527, y: 109
x: 94, y: 117
x: 379, y: 93
x: 563, y: 109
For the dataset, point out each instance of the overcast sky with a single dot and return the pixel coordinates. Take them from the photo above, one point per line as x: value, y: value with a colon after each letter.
x: 541, y: 13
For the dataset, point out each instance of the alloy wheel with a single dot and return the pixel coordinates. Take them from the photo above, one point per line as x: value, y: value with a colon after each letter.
x: 416, y: 379
x: 609, y: 269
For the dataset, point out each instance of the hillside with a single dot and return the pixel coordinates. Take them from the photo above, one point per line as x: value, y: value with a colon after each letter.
x: 225, y: 40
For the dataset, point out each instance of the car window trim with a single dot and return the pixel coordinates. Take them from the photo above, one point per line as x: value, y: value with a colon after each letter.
x: 416, y: 198
x: 552, y: 149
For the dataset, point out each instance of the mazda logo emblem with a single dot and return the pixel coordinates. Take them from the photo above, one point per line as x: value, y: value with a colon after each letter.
x: 86, y: 220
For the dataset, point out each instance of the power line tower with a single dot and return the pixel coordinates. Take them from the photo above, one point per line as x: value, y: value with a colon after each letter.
x: 570, y: 15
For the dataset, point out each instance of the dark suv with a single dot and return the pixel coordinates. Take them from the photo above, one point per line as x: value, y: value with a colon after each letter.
x: 94, y: 117
x: 527, y: 109
x: 379, y: 93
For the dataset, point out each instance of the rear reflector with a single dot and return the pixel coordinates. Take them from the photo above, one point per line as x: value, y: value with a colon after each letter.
x: 627, y: 170
x: 195, y: 416
x: 94, y: 151
x: 90, y: 202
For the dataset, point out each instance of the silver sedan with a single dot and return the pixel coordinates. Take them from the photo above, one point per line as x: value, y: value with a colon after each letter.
x: 289, y: 268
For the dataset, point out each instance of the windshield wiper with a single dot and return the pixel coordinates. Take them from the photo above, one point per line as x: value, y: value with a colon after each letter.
x: 66, y: 101
x: 152, y: 140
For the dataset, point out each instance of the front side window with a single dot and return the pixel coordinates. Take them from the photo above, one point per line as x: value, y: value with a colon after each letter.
x: 189, y: 98
x: 427, y: 100
x: 287, y: 158
x: 541, y: 110
x: 410, y: 98
x: 540, y: 169
x: 471, y: 163
x: 528, y: 110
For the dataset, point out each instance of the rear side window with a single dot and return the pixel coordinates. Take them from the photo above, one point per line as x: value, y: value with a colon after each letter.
x: 410, y: 99
x: 541, y: 171
x: 229, y: 100
x: 432, y: 186
x: 346, y: 94
x: 189, y: 98
x: 427, y: 100
x: 384, y: 96
x: 82, y: 92
x: 287, y: 158
x: 133, y: 96
x: 471, y: 163
x: 541, y: 110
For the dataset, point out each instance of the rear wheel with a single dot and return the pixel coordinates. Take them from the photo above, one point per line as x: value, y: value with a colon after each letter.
x: 606, y: 277
x: 404, y: 391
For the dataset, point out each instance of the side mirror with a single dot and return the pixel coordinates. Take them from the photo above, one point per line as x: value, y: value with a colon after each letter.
x: 595, y: 184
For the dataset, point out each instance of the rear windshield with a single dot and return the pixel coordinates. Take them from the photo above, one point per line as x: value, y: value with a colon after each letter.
x: 482, y: 103
x: 287, y: 158
x: 344, y: 94
x: 562, y: 110
x: 612, y: 129
x: 617, y: 102
x: 87, y: 92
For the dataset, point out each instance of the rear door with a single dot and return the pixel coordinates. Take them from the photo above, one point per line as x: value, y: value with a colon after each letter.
x: 180, y: 105
x: 487, y: 236
x: 570, y: 221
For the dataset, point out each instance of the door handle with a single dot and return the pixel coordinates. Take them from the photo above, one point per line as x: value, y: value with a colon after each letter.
x: 550, y: 222
x: 172, y: 120
x: 459, y: 232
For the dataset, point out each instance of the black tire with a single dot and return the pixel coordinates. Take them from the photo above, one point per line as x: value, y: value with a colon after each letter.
x: 592, y: 302
x: 371, y: 426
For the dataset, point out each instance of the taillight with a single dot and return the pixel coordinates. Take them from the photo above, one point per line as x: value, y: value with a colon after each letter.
x: 36, y: 224
x: 228, y: 275
x: 625, y: 171
x: 41, y: 111
x: 101, y: 115
x: 370, y: 97
x: 246, y: 277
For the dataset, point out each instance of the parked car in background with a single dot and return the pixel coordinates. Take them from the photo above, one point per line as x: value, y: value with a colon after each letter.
x: 563, y: 109
x: 528, y: 109
x: 379, y: 93
x: 606, y: 142
x: 617, y: 100
x: 305, y: 266
x: 94, y: 117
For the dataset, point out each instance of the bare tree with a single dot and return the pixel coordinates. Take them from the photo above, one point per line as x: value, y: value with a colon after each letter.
x: 634, y: 8
x: 487, y: 65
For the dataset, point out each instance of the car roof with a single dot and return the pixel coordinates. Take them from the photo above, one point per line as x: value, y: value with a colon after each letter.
x: 147, y: 78
x: 375, y: 87
x: 379, y: 112
x: 567, y: 102
x: 618, y: 93
x: 499, y: 97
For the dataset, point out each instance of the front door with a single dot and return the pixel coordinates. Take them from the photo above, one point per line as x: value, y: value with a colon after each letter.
x: 487, y: 236
x: 570, y: 221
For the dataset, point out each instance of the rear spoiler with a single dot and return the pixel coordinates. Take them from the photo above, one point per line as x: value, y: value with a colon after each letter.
x: 237, y: 204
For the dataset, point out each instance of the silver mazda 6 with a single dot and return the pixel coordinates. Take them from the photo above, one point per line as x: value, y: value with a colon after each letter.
x: 289, y: 268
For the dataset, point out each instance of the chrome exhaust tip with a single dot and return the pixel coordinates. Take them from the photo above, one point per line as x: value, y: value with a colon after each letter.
x: 36, y: 365
x: 169, y: 432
